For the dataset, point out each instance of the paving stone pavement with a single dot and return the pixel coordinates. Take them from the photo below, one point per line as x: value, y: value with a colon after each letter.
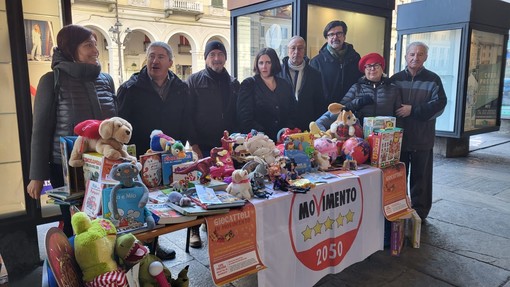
x: 464, y: 242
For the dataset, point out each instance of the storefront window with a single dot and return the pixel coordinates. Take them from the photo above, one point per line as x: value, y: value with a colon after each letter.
x: 270, y: 28
x: 443, y: 59
x: 505, y: 108
x: 484, y: 80
x: 364, y: 31
x: 13, y: 201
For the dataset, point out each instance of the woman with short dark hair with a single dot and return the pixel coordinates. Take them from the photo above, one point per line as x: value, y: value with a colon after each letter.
x: 74, y: 91
x: 266, y: 102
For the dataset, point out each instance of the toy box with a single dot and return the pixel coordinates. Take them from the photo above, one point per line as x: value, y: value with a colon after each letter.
x: 96, y: 167
x: 413, y: 229
x: 183, y: 180
x: 397, y: 236
x: 372, y: 123
x: 386, y: 147
x: 168, y: 160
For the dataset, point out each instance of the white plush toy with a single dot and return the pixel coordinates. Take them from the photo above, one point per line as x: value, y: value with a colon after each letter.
x: 240, y: 186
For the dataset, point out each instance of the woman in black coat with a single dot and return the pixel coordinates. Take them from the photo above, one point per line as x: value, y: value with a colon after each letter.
x: 266, y: 102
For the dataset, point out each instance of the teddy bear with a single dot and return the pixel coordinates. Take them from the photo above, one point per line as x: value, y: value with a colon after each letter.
x: 240, y: 186
x: 94, y: 246
x: 107, y: 137
x: 126, y: 173
x: 130, y: 252
x: 261, y: 147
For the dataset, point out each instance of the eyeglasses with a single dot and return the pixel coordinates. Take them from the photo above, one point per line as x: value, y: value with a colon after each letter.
x: 337, y: 34
x: 298, y: 48
x: 372, y: 66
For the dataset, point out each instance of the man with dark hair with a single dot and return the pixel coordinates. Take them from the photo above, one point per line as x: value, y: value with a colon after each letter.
x: 155, y: 98
x: 304, y: 80
x: 337, y: 61
x: 214, y: 97
x: 423, y: 100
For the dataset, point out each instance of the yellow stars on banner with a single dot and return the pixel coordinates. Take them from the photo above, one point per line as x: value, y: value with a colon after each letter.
x: 328, y: 224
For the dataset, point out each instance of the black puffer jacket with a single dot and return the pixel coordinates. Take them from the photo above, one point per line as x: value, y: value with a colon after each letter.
x: 385, y: 98
x: 337, y: 77
x: 214, y: 99
x: 71, y: 93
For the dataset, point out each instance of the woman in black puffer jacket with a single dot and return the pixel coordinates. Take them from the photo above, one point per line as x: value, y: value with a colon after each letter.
x: 74, y: 91
x: 373, y: 95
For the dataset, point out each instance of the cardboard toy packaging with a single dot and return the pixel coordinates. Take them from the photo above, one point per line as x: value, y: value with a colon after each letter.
x: 96, y: 167
x: 168, y: 160
x: 151, y: 169
x: 397, y: 236
x: 386, y: 145
x: 413, y: 229
x: 372, y: 123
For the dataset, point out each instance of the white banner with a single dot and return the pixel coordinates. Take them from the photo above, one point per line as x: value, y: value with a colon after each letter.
x: 303, y: 237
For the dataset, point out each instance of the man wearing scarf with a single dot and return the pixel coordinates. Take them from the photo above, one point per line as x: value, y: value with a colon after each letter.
x: 214, y: 97
x: 304, y: 79
x: 337, y: 61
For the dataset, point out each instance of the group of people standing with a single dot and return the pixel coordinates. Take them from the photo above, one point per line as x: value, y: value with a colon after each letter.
x: 290, y: 93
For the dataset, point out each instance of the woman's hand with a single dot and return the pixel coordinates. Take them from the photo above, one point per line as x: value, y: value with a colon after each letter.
x: 34, y: 188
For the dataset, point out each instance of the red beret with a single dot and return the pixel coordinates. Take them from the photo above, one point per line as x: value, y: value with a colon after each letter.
x: 371, y: 58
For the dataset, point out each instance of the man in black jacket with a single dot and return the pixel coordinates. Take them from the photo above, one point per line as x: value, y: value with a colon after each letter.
x: 213, y: 94
x: 337, y: 61
x: 304, y: 80
x: 214, y: 97
x: 155, y: 98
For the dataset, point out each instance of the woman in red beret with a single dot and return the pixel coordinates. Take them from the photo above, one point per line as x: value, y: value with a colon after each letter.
x: 373, y: 95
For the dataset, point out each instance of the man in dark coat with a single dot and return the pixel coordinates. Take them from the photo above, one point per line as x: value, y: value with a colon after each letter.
x: 337, y: 61
x: 214, y: 97
x: 305, y: 83
x: 155, y: 98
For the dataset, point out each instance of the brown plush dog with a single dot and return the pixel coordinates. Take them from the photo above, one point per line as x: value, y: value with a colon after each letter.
x: 113, y: 134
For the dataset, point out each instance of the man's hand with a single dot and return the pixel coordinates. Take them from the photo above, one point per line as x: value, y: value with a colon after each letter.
x: 404, y: 111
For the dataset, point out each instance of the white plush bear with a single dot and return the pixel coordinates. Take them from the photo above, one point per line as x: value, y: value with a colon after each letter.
x: 240, y: 186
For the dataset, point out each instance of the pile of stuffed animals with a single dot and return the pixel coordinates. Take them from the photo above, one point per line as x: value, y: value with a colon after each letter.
x: 105, y: 258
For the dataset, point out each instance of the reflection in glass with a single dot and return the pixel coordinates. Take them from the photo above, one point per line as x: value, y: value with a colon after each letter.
x: 483, y: 80
x: 270, y: 28
x: 365, y: 32
x: 443, y: 59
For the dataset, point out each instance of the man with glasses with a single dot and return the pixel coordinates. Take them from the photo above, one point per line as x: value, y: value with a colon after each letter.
x: 337, y: 61
x: 305, y: 83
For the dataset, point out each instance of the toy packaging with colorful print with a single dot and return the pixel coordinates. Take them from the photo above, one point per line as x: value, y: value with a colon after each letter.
x: 92, y: 200
x: 168, y: 160
x: 386, y: 147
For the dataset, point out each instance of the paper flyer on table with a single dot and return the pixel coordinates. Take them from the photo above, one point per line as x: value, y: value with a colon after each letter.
x: 233, y: 251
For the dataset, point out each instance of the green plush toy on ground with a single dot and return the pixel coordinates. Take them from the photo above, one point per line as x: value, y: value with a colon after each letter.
x: 94, y: 245
x: 130, y: 251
